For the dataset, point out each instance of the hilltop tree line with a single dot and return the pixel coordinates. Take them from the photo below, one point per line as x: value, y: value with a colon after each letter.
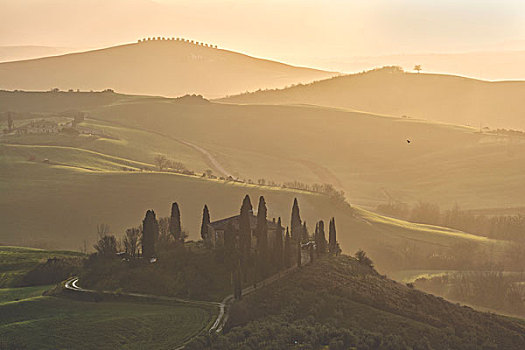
x: 505, y: 227
x: 245, y: 262
x: 161, y: 38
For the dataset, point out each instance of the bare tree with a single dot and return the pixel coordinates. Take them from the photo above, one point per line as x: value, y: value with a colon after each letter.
x: 161, y: 161
x: 131, y: 241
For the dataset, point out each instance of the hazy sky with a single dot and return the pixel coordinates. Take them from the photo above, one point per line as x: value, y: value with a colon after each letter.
x: 297, y: 31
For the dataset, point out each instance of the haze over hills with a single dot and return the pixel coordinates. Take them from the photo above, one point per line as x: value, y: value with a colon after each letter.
x: 364, y: 154
x: 390, y: 91
x: 490, y: 64
x: 17, y: 53
x: 155, y: 67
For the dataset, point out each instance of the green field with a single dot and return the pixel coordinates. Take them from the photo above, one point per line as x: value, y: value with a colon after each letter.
x: 17, y: 261
x: 61, y: 323
x: 29, y: 320
x: 16, y: 294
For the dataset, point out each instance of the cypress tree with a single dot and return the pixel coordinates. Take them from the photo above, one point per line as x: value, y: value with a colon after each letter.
x: 287, y: 254
x: 332, y: 237
x: 320, y: 239
x: 295, y: 223
x: 205, y: 223
x: 262, y: 236
x: 305, y: 234
x: 175, y: 226
x: 245, y: 235
x: 150, y: 232
x: 278, y: 246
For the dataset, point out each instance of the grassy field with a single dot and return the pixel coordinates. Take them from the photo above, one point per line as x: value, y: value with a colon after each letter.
x: 29, y: 320
x: 17, y: 261
x: 17, y: 294
x: 61, y: 323
x: 59, y: 206
x: 366, y: 155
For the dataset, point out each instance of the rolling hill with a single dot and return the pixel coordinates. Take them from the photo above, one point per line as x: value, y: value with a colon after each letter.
x: 59, y: 203
x: 155, y: 67
x: 366, y: 155
x: 338, y: 303
x: 390, y: 91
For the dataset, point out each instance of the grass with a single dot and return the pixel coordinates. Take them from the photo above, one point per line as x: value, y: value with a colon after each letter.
x: 16, y: 294
x: 16, y: 262
x: 59, y: 323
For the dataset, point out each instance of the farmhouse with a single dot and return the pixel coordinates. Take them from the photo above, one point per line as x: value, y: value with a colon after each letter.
x: 216, y: 230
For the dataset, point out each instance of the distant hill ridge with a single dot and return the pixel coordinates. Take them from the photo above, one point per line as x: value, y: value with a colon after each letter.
x: 165, y: 67
x: 390, y: 90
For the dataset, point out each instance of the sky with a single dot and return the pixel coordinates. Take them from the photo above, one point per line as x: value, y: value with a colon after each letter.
x: 302, y: 32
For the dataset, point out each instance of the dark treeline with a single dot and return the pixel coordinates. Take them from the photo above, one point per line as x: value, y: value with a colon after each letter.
x: 505, y: 227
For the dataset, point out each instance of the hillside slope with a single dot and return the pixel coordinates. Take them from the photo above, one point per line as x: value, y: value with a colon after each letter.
x: 366, y: 155
x: 160, y: 67
x: 443, y: 98
x: 59, y: 204
x: 340, y: 303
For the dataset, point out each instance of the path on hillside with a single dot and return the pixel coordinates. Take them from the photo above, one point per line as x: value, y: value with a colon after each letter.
x: 223, y: 306
x: 210, y: 159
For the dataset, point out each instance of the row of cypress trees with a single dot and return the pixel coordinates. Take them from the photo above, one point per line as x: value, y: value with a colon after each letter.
x: 150, y: 231
x: 240, y: 258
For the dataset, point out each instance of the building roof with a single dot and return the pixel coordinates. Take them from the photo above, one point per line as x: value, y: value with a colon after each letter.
x: 223, y: 223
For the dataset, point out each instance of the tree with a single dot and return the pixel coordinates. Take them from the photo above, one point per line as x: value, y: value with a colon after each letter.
x: 205, y: 223
x: 332, y: 237
x: 278, y: 246
x: 417, y: 68
x: 305, y: 234
x: 295, y: 223
x: 245, y: 230
x: 262, y: 235
x: 131, y: 241
x: 361, y: 257
x: 106, y: 245
x: 287, y: 254
x: 150, y: 232
x: 161, y: 161
x: 175, y: 225
x: 232, y: 259
x: 320, y: 239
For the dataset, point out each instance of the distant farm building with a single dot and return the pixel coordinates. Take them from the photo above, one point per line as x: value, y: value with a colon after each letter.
x: 216, y: 230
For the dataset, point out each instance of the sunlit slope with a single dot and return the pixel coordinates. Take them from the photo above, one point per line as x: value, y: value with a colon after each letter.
x: 167, y: 68
x: 366, y: 155
x: 60, y: 206
x: 437, y: 97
